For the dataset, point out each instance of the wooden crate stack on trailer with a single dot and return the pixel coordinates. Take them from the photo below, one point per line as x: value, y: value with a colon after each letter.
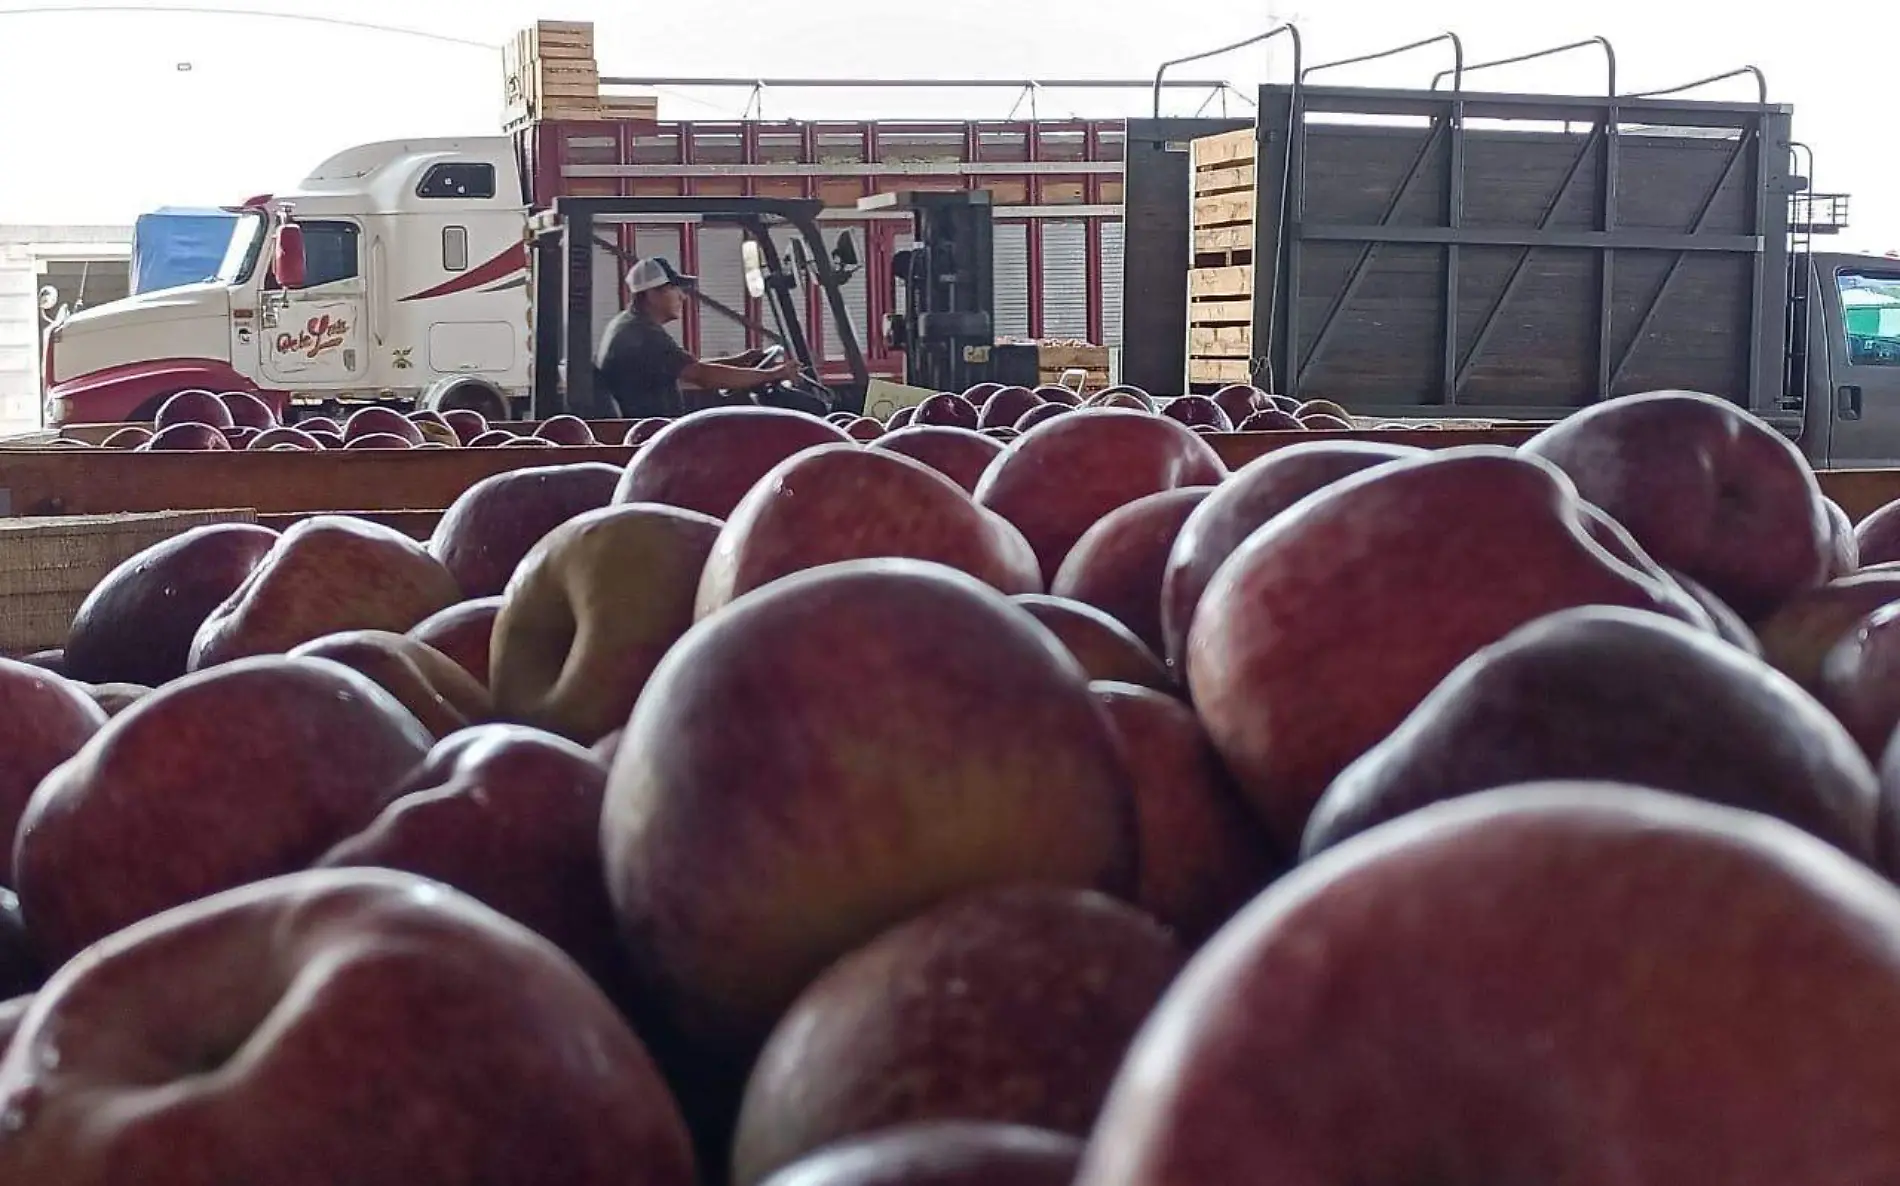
x: 1220, y: 284
x: 549, y: 72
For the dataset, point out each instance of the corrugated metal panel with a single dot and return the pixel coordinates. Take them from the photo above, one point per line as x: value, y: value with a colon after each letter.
x: 1065, y: 279
x: 722, y: 277
x: 664, y: 241
x: 854, y: 297
x: 1111, y: 282
x: 1010, y: 250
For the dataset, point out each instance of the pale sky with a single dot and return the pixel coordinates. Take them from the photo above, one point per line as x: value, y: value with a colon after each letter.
x: 99, y: 123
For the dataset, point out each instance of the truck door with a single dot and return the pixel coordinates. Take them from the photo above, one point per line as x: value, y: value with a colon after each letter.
x: 1863, y: 345
x: 314, y: 336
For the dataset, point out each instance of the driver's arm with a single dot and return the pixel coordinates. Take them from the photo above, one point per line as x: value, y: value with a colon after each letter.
x: 719, y: 376
x: 750, y: 358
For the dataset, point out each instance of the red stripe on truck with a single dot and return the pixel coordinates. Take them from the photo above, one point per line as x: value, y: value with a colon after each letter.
x: 510, y: 261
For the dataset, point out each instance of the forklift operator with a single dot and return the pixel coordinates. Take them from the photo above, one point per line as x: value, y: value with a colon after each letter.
x: 643, y: 368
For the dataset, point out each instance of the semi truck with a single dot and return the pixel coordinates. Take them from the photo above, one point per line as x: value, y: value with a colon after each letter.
x: 417, y: 268
x: 1446, y: 253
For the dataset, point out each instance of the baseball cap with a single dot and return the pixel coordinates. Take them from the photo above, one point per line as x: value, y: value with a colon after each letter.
x: 654, y: 272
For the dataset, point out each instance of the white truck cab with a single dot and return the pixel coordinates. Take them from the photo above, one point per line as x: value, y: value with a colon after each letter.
x: 414, y: 271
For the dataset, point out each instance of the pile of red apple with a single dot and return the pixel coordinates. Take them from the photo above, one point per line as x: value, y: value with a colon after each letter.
x: 199, y: 421
x: 930, y: 809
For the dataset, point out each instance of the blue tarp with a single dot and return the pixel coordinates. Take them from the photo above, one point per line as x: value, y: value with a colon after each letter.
x: 174, y: 245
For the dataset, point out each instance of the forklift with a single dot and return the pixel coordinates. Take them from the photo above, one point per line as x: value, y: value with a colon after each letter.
x: 562, y: 242
x: 946, y: 323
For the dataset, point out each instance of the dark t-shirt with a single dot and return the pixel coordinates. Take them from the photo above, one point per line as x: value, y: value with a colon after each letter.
x: 640, y: 365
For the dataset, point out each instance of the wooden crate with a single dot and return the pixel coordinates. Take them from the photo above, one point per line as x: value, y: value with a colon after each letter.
x: 1220, y: 284
x: 630, y: 106
x: 49, y: 565
x: 549, y: 72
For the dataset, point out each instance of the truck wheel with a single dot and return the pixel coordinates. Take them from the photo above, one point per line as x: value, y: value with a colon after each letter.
x: 474, y: 395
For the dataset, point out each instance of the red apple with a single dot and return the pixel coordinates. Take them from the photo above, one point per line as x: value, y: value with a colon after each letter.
x: 706, y: 462
x: 840, y: 502
x: 44, y: 720
x: 1203, y: 856
x: 592, y: 610
x: 1284, y: 403
x: 511, y: 817
x: 1325, y: 629
x: 1197, y: 411
x: 1013, y: 1006
x: 1118, y: 564
x: 1272, y: 420
x: 943, y: 1153
x: 1257, y: 494
x: 378, y: 421
x: 841, y: 419
x: 190, y: 438
x: 326, y: 574
x: 466, y: 423
x: 1106, y: 649
x: 240, y: 437
x: 1799, y: 636
x: 484, y: 535
x: 432, y: 686
x: 215, y: 780
x: 956, y: 453
x: 320, y: 424
x: 193, y: 407
x: 901, y: 418
x: 1055, y: 393
x: 643, y: 431
x: 1860, y: 680
x: 979, y: 394
x: 1006, y: 406
x: 1843, y: 546
x: 951, y: 410
x: 1042, y: 414
x: 365, y: 1027
x: 324, y: 439
x: 744, y: 860
x: 494, y: 438
x: 129, y: 437
x: 464, y: 632
x: 137, y: 624
x: 1615, y: 696
x: 1878, y: 536
x: 1324, y: 407
x: 379, y: 440
x: 421, y: 416
x: 1123, y: 400
x: 1535, y: 984
x: 1705, y: 487
x: 1123, y: 391
x: 1066, y: 475
x: 1239, y: 401
x: 566, y: 430
x: 863, y: 428
x: 1322, y: 422
x: 270, y: 438
x: 114, y: 699
x: 248, y: 411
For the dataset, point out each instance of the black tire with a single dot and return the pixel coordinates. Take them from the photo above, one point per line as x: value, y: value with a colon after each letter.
x: 469, y: 393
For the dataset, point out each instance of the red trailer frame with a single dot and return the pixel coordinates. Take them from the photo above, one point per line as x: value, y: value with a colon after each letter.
x: 1042, y: 173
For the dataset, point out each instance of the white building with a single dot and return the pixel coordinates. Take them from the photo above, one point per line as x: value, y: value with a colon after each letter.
x: 87, y: 265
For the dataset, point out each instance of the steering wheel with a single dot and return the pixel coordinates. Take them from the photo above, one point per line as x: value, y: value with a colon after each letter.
x: 802, y: 394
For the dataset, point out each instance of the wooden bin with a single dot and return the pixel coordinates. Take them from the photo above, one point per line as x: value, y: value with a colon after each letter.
x: 549, y: 72
x: 1220, y: 284
x: 49, y: 565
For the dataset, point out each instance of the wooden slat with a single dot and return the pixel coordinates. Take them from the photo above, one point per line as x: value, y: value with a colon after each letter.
x: 414, y: 524
x: 1220, y: 313
x: 1221, y: 282
x: 1224, y: 238
x: 1224, y: 209
x: 1226, y: 341
x: 1050, y: 356
x: 101, y: 481
x: 1228, y: 180
x: 1218, y: 370
x: 1223, y: 148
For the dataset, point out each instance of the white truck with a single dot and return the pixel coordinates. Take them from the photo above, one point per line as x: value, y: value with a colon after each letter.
x: 414, y: 273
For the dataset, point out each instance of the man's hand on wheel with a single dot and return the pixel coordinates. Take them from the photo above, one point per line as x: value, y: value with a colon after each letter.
x: 786, y: 369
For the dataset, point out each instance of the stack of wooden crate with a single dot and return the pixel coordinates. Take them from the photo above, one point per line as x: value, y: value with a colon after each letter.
x: 1056, y: 358
x: 1220, y: 282
x: 549, y: 72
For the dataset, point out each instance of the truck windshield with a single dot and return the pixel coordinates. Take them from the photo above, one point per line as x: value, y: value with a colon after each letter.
x: 240, y: 254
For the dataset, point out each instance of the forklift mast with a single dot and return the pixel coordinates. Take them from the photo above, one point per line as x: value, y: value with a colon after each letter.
x: 947, y: 328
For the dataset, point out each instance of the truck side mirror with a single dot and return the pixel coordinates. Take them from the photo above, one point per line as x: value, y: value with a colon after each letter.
x: 289, y: 264
x: 753, y: 261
